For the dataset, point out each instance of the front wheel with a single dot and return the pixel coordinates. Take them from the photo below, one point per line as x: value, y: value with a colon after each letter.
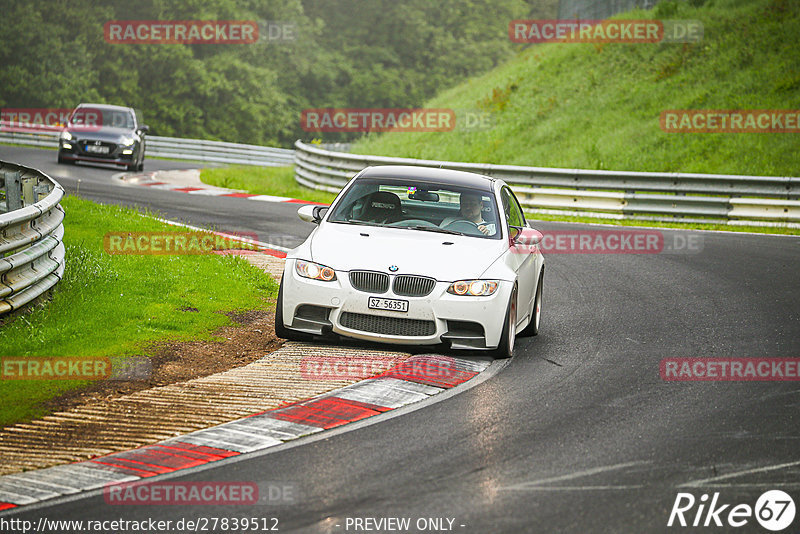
x: 536, y: 314
x: 507, y: 341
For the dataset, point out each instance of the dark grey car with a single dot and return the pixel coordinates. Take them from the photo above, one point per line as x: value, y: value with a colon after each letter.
x: 102, y: 133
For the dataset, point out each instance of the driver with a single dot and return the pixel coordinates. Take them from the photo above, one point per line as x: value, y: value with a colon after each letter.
x: 472, y: 210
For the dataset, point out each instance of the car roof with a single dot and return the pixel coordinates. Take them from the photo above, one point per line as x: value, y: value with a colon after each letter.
x: 105, y: 106
x: 431, y: 175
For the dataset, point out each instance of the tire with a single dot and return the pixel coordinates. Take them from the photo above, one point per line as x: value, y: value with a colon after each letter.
x: 508, y: 340
x: 140, y: 168
x: 536, y: 313
x: 280, y: 330
x: 62, y: 160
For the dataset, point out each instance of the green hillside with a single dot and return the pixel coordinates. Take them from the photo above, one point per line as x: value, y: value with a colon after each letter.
x: 598, y: 106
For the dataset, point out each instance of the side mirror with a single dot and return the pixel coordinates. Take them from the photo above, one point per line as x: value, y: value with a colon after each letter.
x: 531, y: 236
x: 524, y: 236
x: 312, y: 214
x: 144, y: 128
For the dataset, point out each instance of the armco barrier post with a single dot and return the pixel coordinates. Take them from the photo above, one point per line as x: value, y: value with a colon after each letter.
x: 13, y: 190
x: 28, y: 192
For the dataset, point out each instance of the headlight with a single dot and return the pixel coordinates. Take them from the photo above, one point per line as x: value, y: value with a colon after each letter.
x: 315, y: 271
x: 473, y: 288
x: 66, y: 136
x: 127, y: 141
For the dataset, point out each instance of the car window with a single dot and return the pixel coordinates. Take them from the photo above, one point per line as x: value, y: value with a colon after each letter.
x: 511, y: 208
x: 118, y: 119
x: 86, y: 116
x: 418, y: 206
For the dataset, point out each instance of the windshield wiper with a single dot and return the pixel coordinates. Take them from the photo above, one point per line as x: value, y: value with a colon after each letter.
x: 434, y: 229
x: 357, y: 221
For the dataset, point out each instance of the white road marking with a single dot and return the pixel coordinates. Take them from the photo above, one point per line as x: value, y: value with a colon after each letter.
x: 773, y: 485
x: 540, y: 484
x: 270, y: 198
x: 705, y: 481
x: 572, y: 488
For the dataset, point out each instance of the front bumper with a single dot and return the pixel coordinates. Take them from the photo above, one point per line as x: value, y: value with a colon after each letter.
x: 318, y: 307
x: 117, y: 154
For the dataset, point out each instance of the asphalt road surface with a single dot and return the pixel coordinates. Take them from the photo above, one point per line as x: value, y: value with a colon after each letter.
x: 577, y: 433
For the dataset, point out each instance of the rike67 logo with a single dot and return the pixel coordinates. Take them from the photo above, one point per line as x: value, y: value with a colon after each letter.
x: 774, y: 510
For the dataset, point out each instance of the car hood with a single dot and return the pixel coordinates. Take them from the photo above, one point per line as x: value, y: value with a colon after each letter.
x: 112, y: 135
x: 347, y: 247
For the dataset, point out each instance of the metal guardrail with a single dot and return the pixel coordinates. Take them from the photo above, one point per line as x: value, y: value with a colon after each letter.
x: 705, y: 198
x: 218, y: 151
x: 32, y: 251
x: 173, y: 148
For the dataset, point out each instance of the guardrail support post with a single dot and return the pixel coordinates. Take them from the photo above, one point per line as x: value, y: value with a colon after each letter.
x: 28, y: 194
x: 13, y: 191
x: 41, y: 189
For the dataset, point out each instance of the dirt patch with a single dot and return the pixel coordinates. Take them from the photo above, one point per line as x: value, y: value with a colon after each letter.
x: 250, y: 337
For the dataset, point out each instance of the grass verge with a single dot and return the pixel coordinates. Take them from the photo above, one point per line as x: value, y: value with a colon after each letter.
x: 276, y: 181
x: 117, y: 305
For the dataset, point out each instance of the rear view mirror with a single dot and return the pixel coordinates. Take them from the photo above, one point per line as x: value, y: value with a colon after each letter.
x: 424, y: 196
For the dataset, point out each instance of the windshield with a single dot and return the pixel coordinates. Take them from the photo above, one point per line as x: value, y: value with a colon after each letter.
x: 419, y: 206
x: 98, y: 117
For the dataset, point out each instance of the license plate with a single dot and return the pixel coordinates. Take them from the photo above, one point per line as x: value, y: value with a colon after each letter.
x: 97, y: 149
x: 377, y: 303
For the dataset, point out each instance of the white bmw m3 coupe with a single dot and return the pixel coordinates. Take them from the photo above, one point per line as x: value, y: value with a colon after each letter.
x: 416, y: 255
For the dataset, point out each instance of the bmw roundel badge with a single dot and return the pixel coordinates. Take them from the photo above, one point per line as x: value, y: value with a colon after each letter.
x: 393, y: 268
